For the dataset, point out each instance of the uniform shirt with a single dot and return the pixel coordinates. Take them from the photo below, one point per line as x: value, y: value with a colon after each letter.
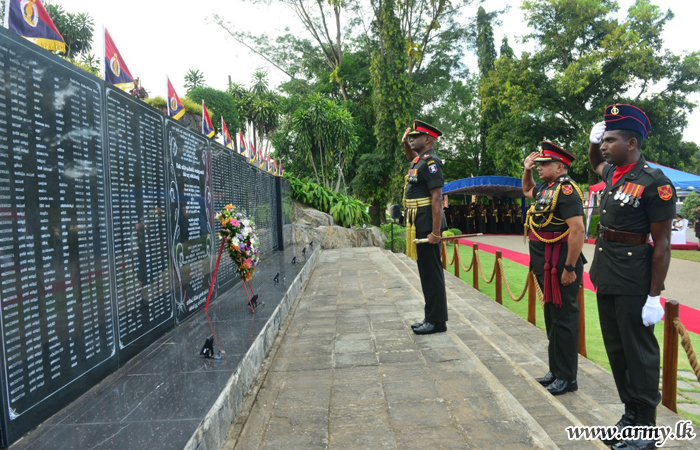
x: 568, y: 205
x: 424, y: 174
x: 643, y: 195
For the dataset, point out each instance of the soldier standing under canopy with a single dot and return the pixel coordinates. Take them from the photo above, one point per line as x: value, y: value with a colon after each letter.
x: 555, y: 224
x: 424, y: 219
x: 628, y: 272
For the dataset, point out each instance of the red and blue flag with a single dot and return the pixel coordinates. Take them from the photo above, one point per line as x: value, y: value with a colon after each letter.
x: 29, y: 19
x: 116, y: 71
x: 240, y: 137
x: 175, y: 108
x: 228, y: 142
x: 207, y: 127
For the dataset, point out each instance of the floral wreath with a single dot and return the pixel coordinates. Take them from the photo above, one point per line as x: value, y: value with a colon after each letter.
x: 241, y: 240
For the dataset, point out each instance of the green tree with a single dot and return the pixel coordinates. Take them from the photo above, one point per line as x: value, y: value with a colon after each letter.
x: 320, y: 134
x: 690, y: 205
x: 194, y: 78
x: 76, y: 28
x: 393, y: 102
x: 486, y: 55
x: 587, y: 59
x: 263, y: 110
x: 506, y: 50
x: 219, y: 104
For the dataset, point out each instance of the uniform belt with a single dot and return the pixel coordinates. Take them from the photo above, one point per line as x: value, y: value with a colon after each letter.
x: 625, y: 237
x: 418, y: 202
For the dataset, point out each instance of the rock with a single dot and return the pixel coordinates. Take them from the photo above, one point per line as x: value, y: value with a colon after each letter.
x: 305, y: 215
x: 332, y: 236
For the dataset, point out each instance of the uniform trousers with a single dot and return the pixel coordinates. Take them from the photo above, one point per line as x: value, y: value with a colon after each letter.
x: 562, y: 329
x: 432, y: 280
x: 632, y: 348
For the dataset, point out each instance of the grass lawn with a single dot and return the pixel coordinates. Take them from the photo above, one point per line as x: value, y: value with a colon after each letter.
x: 688, y: 255
x: 516, y: 274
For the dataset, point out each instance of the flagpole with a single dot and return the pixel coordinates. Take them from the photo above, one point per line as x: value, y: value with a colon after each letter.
x: 104, y: 52
x: 167, y: 92
x: 6, y: 18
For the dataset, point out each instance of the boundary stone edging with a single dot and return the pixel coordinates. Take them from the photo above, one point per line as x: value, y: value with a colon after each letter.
x: 213, y: 430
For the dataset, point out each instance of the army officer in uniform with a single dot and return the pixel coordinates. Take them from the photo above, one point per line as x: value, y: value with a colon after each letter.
x: 629, y: 272
x: 424, y: 219
x: 555, y: 229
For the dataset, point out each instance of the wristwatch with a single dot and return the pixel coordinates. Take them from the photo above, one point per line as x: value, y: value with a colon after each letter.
x: 569, y: 267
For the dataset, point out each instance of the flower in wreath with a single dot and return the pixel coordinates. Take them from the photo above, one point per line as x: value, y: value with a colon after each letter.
x: 241, y: 240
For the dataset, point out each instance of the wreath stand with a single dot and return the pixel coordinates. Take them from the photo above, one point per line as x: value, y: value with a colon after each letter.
x: 253, y: 302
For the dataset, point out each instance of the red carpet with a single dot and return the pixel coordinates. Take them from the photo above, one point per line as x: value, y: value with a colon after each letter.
x: 689, y: 316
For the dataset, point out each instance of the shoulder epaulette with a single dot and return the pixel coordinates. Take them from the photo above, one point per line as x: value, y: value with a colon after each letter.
x: 656, y: 173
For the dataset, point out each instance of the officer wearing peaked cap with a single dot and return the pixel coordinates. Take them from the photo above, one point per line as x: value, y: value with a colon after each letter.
x: 628, y: 272
x: 555, y: 230
x: 424, y: 219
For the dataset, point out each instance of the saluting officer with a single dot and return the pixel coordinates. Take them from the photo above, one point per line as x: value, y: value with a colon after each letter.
x: 629, y: 272
x: 423, y: 202
x: 555, y: 228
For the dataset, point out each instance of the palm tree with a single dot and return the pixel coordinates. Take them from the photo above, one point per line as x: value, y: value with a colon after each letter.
x: 194, y: 78
x: 76, y: 29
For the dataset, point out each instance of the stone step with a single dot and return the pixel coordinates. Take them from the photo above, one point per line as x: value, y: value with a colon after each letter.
x: 515, y: 352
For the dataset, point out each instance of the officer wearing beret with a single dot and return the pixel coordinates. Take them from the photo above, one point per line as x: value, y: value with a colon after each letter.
x: 424, y: 219
x: 629, y: 272
x: 555, y: 229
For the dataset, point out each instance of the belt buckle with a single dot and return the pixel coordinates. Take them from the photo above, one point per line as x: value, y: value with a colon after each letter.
x: 601, y: 230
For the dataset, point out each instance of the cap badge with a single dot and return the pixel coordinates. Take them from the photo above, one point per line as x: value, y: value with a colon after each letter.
x: 614, y: 110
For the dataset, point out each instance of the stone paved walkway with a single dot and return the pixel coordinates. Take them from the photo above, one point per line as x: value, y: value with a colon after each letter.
x: 346, y: 372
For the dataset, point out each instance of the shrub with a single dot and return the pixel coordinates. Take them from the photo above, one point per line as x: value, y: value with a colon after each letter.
x: 447, y: 233
x: 399, y: 237
x: 345, y: 209
x: 454, y: 231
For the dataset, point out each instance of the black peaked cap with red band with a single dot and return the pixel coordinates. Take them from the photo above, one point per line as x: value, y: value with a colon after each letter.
x: 420, y: 127
x: 551, y: 152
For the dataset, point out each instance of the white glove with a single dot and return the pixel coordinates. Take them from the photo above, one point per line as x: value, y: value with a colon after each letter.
x: 597, y: 133
x: 652, y: 311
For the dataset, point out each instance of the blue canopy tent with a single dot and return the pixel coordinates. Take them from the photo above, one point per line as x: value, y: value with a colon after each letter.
x: 488, y: 185
x: 682, y: 181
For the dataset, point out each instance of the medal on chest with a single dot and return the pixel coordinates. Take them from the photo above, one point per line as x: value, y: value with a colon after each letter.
x: 629, y: 194
x: 412, y: 175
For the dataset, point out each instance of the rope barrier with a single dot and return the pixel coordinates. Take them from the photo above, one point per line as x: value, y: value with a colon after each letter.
x: 687, y: 346
x: 538, y: 290
x: 449, y: 263
x: 481, y: 270
x: 471, y: 264
x: 505, y: 281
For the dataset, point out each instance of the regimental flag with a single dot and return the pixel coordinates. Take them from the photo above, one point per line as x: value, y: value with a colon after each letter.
x: 261, y: 159
x: 252, y: 153
x: 175, y: 108
x: 281, y: 170
x: 242, y: 142
x: 116, y: 71
x: 29, y: 19
x: 228, y: 142
x: 207, y: 127
x: 274, y: 167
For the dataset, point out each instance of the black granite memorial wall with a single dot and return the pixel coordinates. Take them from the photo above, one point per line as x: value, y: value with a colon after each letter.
x: 107, y: 230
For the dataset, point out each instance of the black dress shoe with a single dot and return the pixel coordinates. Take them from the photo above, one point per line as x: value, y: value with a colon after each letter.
x: 627, y: 420
x: 417, y: 324
x: 639, y: 444
x: 430, y: 328
x: 547, y: 379
x: 559, y: 387
x: 646, y: 417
